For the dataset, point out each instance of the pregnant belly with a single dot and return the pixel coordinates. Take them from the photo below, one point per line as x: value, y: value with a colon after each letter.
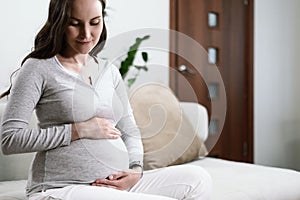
x: 86, y: 160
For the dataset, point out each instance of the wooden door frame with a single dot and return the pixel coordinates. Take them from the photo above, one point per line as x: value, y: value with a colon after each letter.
x: 248, y: 65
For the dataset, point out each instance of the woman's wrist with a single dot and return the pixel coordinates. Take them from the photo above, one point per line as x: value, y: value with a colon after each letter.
x: 137, y: 168
x: 74, y: 133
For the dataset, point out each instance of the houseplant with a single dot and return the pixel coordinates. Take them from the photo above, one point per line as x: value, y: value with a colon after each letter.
x: 128, y: 62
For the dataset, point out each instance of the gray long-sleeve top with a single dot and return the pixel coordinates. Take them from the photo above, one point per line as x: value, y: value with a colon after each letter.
x: 61, y: 98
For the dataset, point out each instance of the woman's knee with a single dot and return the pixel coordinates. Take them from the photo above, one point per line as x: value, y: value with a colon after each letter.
x: 187, y: 182
x: 199, y: 181
x: 195, y: 173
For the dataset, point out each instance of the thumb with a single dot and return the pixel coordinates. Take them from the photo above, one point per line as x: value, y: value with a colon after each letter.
x: 116, y: 176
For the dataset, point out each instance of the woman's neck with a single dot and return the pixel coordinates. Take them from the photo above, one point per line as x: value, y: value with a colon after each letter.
x: 75, y: 58
x: 73, y: 63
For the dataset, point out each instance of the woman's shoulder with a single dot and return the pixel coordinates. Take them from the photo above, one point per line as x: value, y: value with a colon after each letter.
x: 36, y: 66
x: 36, y: 62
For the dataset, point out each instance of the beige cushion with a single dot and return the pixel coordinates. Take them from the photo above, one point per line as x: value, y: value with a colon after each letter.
x: 167, y: 135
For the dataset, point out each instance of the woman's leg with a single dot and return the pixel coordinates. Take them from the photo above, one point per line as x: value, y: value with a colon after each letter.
x: 186, y: 182
x: 182, y: 182
x: 82, y: 192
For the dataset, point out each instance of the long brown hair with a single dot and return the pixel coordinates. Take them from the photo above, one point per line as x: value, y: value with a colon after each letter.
x: 50, y: 40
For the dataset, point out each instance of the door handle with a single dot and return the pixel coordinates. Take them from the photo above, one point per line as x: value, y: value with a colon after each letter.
x: 184, y: 68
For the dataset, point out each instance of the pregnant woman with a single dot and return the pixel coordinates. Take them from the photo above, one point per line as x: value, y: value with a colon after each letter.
x: 88, y: 145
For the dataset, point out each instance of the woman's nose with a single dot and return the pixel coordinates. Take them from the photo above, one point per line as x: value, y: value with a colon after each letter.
x: 85, y: 32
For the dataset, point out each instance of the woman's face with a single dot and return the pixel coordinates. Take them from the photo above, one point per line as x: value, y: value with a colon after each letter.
x: 85, y: 27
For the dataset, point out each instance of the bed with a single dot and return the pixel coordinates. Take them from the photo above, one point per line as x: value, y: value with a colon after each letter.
x: 231, y: 180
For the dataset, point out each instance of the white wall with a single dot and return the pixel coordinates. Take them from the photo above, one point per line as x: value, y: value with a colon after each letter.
x: 276, y: 83
x: 129, y: 19
x: 21, y: 20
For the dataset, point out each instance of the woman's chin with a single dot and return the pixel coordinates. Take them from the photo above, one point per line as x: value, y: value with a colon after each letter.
x: 85, y: 51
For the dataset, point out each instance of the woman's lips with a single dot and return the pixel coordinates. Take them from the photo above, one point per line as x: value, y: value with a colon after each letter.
x: 84, y: 42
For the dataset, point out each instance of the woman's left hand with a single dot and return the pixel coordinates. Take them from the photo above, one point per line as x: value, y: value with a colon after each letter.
x: 120, y: 180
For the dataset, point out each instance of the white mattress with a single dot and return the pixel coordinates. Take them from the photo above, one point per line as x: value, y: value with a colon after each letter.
x: 232, y: 181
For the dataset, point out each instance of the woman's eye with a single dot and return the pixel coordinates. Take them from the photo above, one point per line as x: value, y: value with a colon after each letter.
x: 73, y: 23
x: 95, y: 22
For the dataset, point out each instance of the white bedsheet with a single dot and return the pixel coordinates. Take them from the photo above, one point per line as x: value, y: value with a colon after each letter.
x: 242, y: 181
x: 232, y: 181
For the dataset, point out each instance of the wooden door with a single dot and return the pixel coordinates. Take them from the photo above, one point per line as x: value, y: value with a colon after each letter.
x: 226, y: 28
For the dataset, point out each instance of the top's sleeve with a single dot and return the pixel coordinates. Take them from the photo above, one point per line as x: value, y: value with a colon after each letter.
x: 127, y: 125
x: 17, y: 137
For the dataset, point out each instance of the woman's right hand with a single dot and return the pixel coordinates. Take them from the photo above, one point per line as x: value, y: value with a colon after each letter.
x: 95, y: 128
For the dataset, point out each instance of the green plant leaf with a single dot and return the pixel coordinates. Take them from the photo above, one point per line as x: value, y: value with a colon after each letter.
x: 146, y: 37
x: 128, y: 61
x: 131, y: 81
x: 125, y: 64
x: 141, y: 67
x: 145, y: 56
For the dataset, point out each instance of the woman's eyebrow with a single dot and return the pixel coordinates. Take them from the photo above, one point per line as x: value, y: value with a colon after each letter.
x: 81, y: 20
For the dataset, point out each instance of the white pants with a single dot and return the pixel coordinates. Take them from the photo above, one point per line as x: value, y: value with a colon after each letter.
x: 184, y: 182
